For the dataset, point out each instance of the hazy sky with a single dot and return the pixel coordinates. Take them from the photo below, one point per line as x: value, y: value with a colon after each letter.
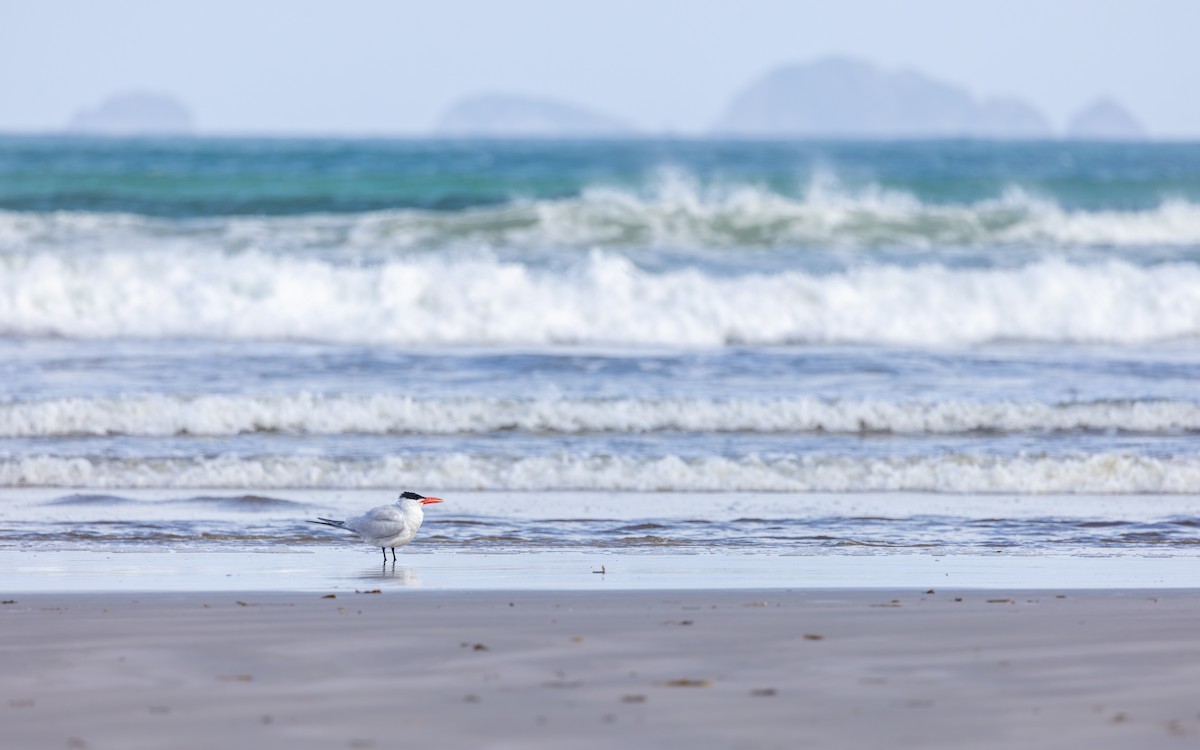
x: 370, y: 66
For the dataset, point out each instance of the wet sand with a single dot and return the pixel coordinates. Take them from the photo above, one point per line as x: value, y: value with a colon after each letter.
x: 683, y: 669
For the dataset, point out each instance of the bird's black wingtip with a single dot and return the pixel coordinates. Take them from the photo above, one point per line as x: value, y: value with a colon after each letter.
x: 330, y: 522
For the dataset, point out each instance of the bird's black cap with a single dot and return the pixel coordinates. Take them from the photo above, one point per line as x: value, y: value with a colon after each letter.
x: 411, y: 496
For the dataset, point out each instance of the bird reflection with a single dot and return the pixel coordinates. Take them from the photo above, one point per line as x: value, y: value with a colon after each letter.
x: 390, y: 571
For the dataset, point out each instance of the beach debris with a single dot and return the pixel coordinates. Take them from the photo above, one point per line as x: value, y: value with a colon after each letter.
x: 1119, y: 718
x: 577, y: 639
x: 470, y: 698
x: 687, y: 682
x: 958, y: 598
x: 763, y: 692
x: 678, y: 622
x: 473, y: 647
x: 76, y: 743
x: 1000, y: 601
x: 372, y: 591
x: 242, y: 604
x: 757, y: 604
x: 633, y: 699
x: 9, y: 601
x: 602, y: 570
x: 329, y: 596
x: 930, y: 591
x: 813, y: 637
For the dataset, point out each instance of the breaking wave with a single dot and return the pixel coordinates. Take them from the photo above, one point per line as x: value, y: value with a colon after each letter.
x: 674, y: 210
x: 1104, y: 473
x: 603, y: 298
x: 314, y: 414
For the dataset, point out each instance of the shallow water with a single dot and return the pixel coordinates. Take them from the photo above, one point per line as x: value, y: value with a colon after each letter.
x: 629, y: 523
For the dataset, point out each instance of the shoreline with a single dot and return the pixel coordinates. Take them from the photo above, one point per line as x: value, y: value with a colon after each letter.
x: 349, y: 566
x: 494, y: 669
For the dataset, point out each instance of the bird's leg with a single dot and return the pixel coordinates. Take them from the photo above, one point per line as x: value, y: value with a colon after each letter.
x: 393, y: 554
x: 384, y: 551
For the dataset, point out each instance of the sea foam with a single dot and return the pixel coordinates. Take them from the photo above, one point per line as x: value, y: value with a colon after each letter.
x: 1101, y: 473
x: 156, y: 415
x: 603, y: 298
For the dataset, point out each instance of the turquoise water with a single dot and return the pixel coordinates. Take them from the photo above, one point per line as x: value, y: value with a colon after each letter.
x: 220, y: 177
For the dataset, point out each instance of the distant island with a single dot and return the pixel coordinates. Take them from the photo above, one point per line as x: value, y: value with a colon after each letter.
x: 846, y: 98
x: 504, y: 116
x: 1105, y: 120
x: 136, y: 113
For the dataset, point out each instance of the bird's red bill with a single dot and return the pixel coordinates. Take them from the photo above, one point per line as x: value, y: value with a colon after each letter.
x: 428, y: 500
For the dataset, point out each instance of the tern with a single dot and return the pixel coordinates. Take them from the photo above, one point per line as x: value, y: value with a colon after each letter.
x: 388, y: 526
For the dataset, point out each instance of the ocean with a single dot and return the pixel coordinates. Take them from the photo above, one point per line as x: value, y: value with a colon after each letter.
x: 760, y: 347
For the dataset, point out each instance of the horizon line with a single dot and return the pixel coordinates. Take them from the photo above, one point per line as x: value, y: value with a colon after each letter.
x: 641, y: 135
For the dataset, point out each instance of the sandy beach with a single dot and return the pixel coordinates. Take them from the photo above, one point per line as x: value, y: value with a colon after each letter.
x: 749, y: 668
